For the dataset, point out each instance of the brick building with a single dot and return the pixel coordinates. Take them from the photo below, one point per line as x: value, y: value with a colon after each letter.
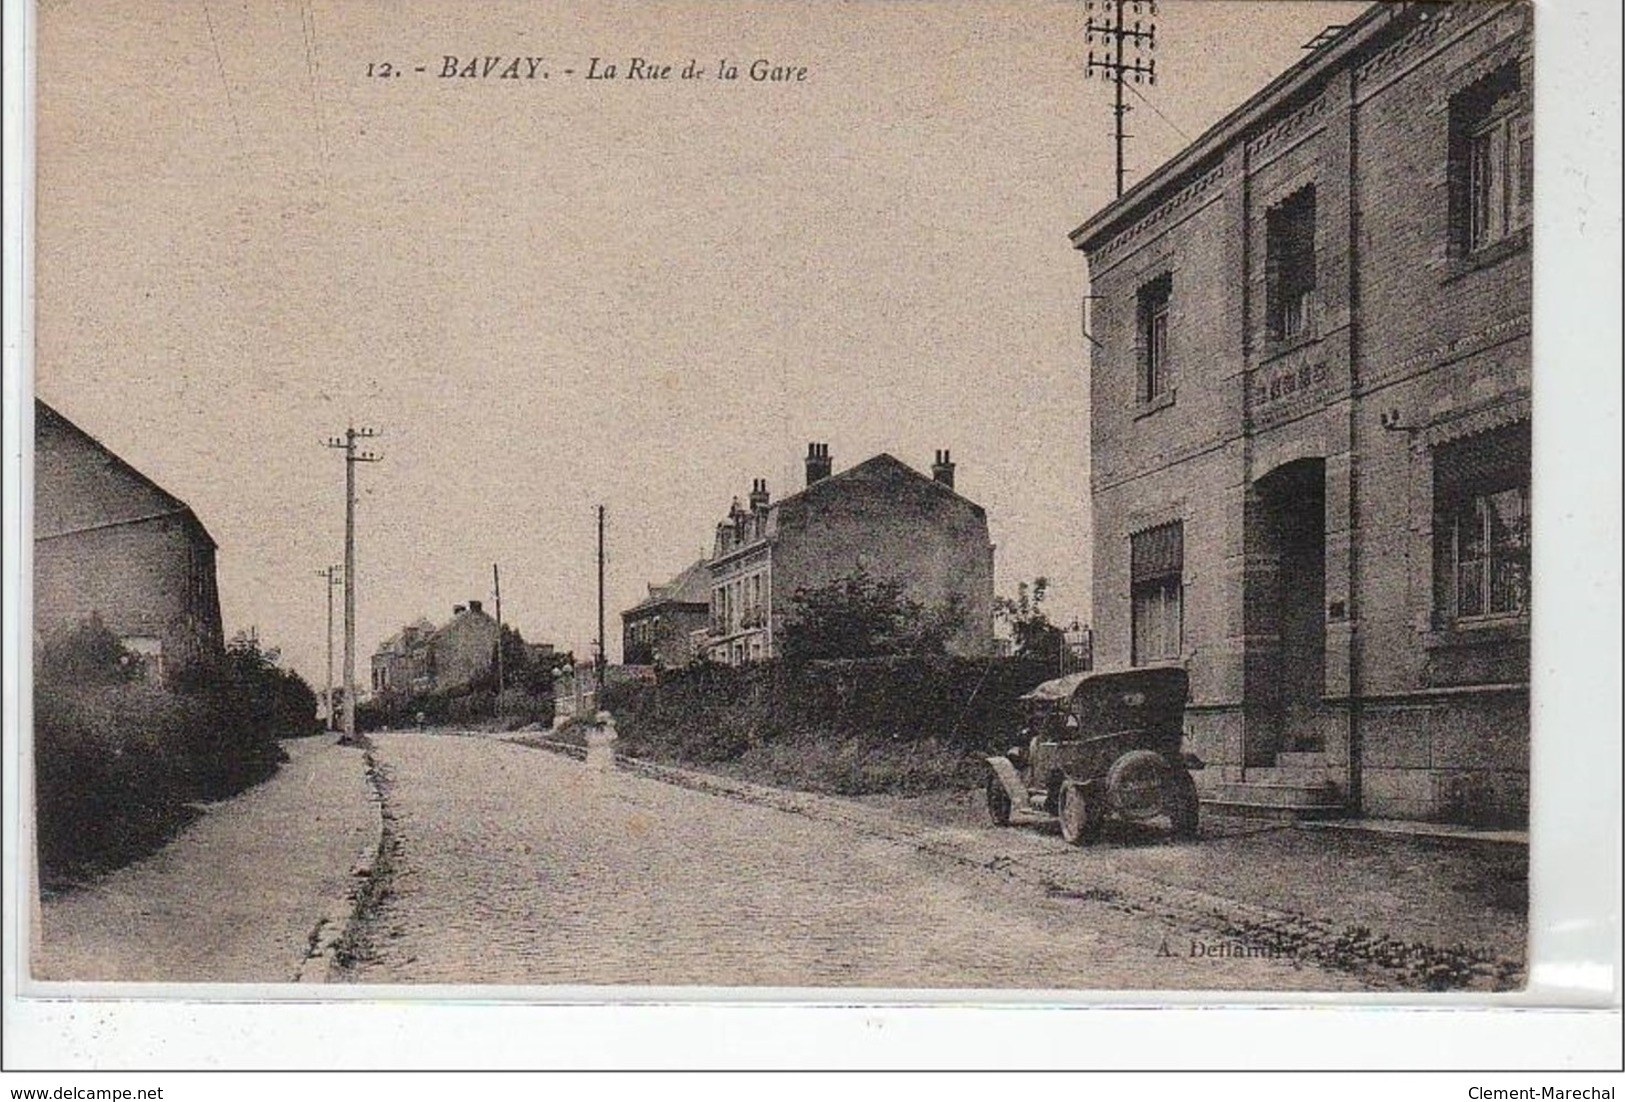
x: 111, y: 543
x: 423, y: 658
x: 659, y: 630
x: 1310, y: 424
x: 402, y: 664
x: 464, y: 648
x: 881, y: 516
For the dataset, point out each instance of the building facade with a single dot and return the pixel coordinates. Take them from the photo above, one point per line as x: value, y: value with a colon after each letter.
x: 882, y: 517
x: 110, y: 543
x: 402, y: 664
x: 659, y: 630
x: 423, y: 658
x: 463, y: 649
x: 1310, y: 424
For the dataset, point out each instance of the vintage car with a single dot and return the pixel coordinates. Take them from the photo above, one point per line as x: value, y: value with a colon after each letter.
x: 1101, y: 744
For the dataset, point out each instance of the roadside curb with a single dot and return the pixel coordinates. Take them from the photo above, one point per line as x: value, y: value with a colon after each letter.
x: 340, y: 914
x: 1431, y: 832
x: 1249, y: 929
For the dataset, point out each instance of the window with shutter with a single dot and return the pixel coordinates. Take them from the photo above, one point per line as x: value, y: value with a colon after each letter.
x: 1156, y: 576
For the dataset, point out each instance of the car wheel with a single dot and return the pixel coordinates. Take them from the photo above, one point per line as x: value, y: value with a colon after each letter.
x: 1078, y: 820
x: 998, y: 802
x: 1137, y: 784
x: 1184, y: 805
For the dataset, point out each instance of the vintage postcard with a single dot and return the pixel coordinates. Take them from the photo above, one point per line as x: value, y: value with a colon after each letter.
x: 1019, y: 497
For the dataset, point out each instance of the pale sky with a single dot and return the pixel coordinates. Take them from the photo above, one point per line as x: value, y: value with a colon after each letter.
x: 553, y: 293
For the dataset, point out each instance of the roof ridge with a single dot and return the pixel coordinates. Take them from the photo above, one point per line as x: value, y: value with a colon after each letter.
x: 837, y: 475
x: 176, y: 504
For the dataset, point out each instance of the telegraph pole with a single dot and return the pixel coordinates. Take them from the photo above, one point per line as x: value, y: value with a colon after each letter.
x: 603, y: 656
x: 496, y: 586
x: 333, y: 579
x: 352, y: 456
x: 1114, y: 33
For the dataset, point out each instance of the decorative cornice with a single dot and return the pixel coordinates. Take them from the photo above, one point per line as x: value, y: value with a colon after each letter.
x: 1189, y: 195
x: 1459, y: 426
x: 1160, y: 515
x: 1431, y: 23
x: 1288, y: 129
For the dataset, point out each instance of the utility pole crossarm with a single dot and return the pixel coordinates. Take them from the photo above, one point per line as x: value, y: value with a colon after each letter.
x: 1115, y: 34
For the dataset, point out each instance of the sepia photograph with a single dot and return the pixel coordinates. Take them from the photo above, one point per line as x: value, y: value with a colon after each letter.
x: 1027, y: 497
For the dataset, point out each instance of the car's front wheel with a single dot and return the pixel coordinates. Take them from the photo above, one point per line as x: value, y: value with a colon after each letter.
x: 1078, y: 818
x: 998, y: 802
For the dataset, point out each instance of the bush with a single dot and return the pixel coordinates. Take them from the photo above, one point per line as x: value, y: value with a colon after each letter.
x: 467, y: 706
x: 116, y: 765
x: 117, y: 761
x: 858, y: 766
x: 517, y: 708
x: 86, y: 652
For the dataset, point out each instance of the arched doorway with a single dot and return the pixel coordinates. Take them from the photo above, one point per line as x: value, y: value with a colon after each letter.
x: 1286, y: 611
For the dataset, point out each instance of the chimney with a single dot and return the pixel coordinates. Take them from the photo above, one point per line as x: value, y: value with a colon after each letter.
x: 758, y: 495
x: 943, y: 469
x: 817, y: 463
x: 475, y: 607
x: 458, y: 610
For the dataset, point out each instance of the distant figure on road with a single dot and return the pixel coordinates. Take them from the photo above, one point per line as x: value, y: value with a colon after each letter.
x: 601, y: 742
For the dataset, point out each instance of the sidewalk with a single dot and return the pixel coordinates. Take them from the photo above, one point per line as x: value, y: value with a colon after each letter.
x: 1420, y: 911
x: 236, y: 896
x: 1439, y: 888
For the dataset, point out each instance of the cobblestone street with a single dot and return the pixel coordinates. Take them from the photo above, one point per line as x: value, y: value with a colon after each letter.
x: 511, y: 865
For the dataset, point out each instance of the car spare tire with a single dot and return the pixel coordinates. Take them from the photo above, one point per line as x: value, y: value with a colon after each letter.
x: 1135, y: 784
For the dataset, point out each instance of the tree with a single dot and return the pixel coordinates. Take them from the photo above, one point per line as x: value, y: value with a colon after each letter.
x: 1030, y: 629
x: 858, y: 616
x: 250, y: 681
x: 523, y: 668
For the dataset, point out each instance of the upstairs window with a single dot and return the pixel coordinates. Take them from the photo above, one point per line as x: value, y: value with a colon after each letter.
x: 1289, y: 246
x: 1481, y: 527
x: 1155, y: 371
x: 1157, y: 591
x: 1492, y: 160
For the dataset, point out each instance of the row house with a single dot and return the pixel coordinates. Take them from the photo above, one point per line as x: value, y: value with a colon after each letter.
x: 1310, y: 424
x: 881, y: 516
x: 659, y: 630
x: 424, y: 658
x: 402, y: 664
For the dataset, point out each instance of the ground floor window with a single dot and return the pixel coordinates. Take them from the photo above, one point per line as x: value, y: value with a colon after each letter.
x: 1156, y: 569
x: 1481, y: 527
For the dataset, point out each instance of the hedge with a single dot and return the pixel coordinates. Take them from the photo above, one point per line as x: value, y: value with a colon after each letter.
x: 119, y: 762
x: 867, y: 725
